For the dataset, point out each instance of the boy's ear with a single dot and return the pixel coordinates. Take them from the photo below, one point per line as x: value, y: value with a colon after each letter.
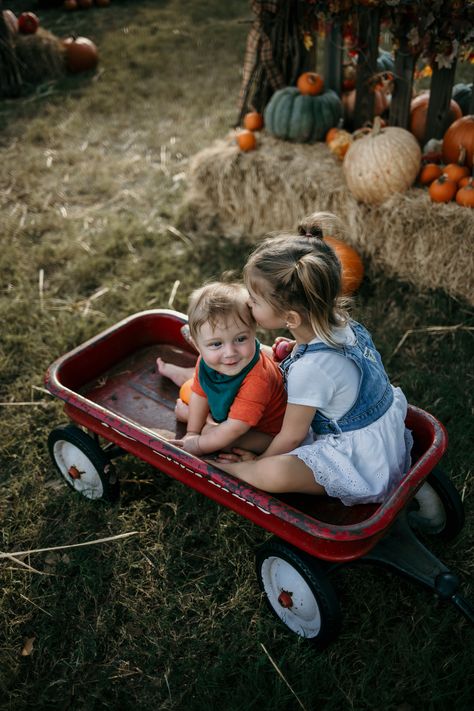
x: 293, y: 320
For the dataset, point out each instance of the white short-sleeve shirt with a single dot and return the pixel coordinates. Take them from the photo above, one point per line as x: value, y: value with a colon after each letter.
x: 326, y: 380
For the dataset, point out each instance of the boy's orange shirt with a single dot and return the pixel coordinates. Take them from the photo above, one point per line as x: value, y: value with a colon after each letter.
x: 261, y: 400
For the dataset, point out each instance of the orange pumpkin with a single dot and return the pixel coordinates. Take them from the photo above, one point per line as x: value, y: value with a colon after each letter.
x: 332, y: 133
x: 340, y: 143
x: 467, y: 180
x: 419, y: 112
x: 352, y: 266
x: 428, y: 173
x: 246, y: 140
x: 459, y: 134
x: 465, y: 196
x: 456, y: 172
x: 253, y: 121
x: 185, y: 391
x: 310, y: 83
x: 81, y: 54
x: 442, y: 189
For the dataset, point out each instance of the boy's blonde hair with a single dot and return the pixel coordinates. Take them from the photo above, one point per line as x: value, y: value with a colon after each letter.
x: 301, y: 272
x: 219, y: 302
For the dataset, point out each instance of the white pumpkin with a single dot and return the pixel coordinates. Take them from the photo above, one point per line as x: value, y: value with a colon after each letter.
x: 381, y: 163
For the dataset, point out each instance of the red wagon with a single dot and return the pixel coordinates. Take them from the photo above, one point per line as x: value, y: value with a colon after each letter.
x: 118, y: 403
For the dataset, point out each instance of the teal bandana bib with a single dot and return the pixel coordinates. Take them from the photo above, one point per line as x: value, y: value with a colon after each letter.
x: 221, y: 389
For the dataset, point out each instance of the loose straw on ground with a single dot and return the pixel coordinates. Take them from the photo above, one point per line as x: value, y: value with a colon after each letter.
x: 279, y: 672
x: 173, y: 293
x: 14, y: 556
x: 440, y: 330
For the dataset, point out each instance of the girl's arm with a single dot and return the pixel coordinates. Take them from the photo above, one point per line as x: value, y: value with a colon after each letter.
x: 294, y: 429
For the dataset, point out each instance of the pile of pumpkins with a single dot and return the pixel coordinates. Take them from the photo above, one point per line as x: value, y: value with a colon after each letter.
x: 378, y: 161
x: 448, y: 174
x: 302, y: 113
x: 84, y: 4
x: 80, y: 53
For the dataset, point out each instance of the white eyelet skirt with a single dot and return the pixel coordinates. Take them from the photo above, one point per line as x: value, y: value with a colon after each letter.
x: 364, y: 465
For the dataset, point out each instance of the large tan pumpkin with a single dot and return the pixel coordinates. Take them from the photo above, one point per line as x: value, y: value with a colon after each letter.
x: 381, y: 163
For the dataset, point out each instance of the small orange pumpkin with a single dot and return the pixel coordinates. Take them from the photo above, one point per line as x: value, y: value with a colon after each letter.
x: 429, y: 172
x: 465, y: 195
x: 185, y: 391
x: 340, y: 143
x: 467, y: 180
x: 457, y: 171
x: 352, y: 266
x: 246, y: 140
x: 442, y: 189
x: 253, y: 121
x: 310, y: 83
x: 331, y: 134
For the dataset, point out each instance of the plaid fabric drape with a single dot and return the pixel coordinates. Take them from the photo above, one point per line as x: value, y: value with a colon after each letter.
x: 259, y: 50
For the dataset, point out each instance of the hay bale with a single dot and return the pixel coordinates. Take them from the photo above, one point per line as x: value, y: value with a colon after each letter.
x: 273, y: 187
x: 40, y: 56
x: 37, y: 58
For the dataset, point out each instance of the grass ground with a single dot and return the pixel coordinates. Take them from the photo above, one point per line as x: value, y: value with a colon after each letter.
x: 92, y: 171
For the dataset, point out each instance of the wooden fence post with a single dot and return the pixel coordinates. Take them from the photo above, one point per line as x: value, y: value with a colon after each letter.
x: 369, y: 28
x: 441, y: 89
x: 333, y: 53
x: 399, y: 114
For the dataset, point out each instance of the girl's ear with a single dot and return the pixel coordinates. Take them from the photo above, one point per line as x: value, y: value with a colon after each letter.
x: 293, y: 320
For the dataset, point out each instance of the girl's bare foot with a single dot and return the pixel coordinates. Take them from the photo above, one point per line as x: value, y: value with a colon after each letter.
x: 181, y: 410
x: 177, y: 373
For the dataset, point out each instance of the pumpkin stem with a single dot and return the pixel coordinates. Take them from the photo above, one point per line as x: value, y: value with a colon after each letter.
x: 377, y: 126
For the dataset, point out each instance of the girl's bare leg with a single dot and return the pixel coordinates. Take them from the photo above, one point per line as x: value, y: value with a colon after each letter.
x: 279, y: 474
x: 177, y: 373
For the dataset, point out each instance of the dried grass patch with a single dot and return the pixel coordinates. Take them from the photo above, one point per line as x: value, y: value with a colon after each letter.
x: 273, y: 187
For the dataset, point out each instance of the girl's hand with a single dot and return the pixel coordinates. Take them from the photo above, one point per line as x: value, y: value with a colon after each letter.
x: 282, y: 347
x: 237, y: 455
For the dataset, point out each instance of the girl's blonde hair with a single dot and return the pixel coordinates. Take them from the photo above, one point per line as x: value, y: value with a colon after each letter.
x: 219, y: 302
x: 302, y: 273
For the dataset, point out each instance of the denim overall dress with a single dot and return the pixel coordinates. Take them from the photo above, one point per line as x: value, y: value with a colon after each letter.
x: 360, y: 456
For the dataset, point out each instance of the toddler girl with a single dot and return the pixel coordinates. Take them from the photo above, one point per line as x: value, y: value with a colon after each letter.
x: 343, y: 432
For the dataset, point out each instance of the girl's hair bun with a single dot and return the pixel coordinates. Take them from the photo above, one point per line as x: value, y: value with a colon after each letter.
x: 311, y: 231
x: 320, y: 224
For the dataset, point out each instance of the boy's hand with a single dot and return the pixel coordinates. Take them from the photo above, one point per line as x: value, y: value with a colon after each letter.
x: 190, y: 443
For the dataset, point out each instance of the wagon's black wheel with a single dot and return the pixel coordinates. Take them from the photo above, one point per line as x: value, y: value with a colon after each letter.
x: 437, y: 508
x: 298, y: 592
x: 82, y: 463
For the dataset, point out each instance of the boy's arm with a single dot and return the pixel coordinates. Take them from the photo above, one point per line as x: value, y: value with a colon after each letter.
x: 294, y: 429
x: 222, y: 435
x: 198, y: 412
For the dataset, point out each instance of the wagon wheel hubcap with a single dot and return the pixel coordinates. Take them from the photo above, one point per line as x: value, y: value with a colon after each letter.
x: 285, y: 599
x: 78, y: 470
x: 298, y: 609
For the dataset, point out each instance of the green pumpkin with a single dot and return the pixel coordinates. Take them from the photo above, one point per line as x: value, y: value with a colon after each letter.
x: 462, y: 96
x: 304, y: 119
